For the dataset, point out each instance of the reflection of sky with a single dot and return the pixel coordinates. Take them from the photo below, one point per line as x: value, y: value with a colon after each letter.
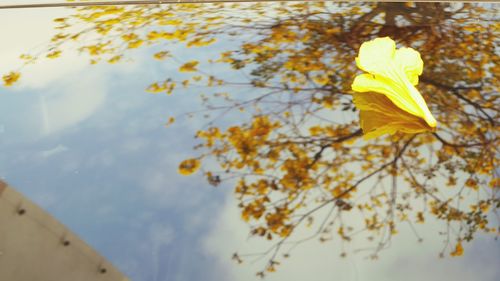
x: 88, y: 145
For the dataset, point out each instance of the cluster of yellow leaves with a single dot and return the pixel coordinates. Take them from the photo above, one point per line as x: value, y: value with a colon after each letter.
x: 166, y: 86
x: 200, y: 42
x: 260, y: 149
x: 294, y: 167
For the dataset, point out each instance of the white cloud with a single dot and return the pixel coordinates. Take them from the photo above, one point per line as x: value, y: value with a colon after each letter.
x: 406, y: 259
x: 53, y: 151
x: 27, y: 31
x: 160, y: 235
x: 72, y: 104
x: 63, y: 92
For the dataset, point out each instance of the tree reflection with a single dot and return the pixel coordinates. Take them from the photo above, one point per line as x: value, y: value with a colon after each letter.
x: 299, y: 160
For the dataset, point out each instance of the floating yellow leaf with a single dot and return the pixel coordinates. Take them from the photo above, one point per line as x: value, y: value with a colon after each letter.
x: 393, y: 104
x: 189, y: 66
x: 11, y: 78
x: 189, y: 166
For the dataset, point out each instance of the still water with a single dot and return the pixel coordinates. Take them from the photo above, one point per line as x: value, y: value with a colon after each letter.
x: 221, y: 141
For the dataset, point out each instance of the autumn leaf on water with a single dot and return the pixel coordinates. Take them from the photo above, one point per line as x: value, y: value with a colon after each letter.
x: 386, y: 96
x: 189, y: 166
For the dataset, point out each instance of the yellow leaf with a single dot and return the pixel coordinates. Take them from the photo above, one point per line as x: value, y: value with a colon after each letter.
x: 115, y: 59
x: 174, y: 22
x: 189, y: 166
x: 198, y: 42
x: 495, y: 183
x: 156, y: 88
x: 129, y: 37
x: 471, y: 183
x: 135, y: 44
x: 26, y: 57
x: 459, y: 250
x: 171, y: 120
x: 161, y: 55
x: 189, y: 66
x: 315, y: 130
x: 11, y: 78
x: 321, y: 80
x: 53, y: 54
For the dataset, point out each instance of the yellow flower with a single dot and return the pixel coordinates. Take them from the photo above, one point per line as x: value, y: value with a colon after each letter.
x: 459, y: 250
x: 394, y: 103
x: 11, y: 78
x: 161, y: 55
x: 189, y: 66
x: 189, y: 166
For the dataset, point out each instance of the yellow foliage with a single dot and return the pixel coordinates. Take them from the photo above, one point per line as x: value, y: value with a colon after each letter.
x: 189, y: 166
x: 300, y: 149
x: 129, y: 37
x: 161, y: 55
x: 171, y: 120
x: 155, y: 88
x: 458, y: 251
x: 199, y: 42
x: 115, y: 59
x: 189, y: 66
x: 495, y: 183
x: 54, y: 54
x: 135, y: 44
x: 471, y: 183
x: 11, y: 78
